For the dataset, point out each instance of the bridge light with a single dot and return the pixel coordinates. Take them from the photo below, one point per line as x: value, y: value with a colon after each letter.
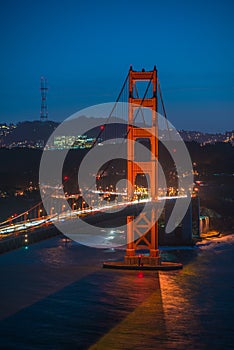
x: 140, y: 274
x: 102, y: 127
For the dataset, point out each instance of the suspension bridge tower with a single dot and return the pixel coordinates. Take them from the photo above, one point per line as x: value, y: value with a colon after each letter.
x: 143, y: 231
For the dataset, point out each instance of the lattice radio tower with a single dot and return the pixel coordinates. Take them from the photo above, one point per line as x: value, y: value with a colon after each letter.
x: 44, y: 109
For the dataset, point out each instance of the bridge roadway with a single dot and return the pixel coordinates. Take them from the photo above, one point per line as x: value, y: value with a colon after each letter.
x: 11, y: 230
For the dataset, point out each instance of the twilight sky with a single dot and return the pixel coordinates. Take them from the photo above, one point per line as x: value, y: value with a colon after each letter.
x: 84, y: 48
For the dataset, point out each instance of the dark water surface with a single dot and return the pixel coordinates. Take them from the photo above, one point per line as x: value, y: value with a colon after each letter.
x: 57, y: 296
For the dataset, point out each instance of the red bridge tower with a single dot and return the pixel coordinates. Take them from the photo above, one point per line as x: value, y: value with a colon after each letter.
x: 144, y: 230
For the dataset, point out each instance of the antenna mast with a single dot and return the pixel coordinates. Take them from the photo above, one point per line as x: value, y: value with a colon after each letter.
x: 44, y: 89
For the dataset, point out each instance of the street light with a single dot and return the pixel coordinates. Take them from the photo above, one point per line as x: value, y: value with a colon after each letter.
x: 25, y: 216
x: 51, y: 211
x: 73, y: 206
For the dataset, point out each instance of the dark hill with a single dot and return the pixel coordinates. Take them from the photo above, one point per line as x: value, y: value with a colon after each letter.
x: 31, y: 131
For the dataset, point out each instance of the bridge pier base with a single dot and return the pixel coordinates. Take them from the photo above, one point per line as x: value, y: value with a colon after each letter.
x: 142, y: 260
x: 149, y: 263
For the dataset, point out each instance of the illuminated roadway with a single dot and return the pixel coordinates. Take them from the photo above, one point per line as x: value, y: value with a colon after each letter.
x: 8, y: 230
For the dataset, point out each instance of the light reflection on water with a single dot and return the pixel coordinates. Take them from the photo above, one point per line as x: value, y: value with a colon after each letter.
x: 67, y: 301
x: 182, y: 323
x: 198, y: 300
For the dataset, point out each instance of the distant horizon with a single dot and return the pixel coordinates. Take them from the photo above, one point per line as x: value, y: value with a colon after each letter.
x: 58, y: 121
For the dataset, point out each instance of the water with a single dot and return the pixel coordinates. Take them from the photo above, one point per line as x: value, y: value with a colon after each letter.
x: 57, y: 296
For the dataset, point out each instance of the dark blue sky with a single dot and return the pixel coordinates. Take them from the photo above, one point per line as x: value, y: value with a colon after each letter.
x: 84, y: 48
